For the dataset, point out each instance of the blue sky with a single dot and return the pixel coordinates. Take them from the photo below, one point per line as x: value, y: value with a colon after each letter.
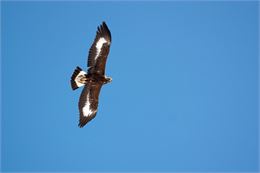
x: 184, y: 95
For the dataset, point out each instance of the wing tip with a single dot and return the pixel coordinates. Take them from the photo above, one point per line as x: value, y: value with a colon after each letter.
x: 84, y: 120
x: 104, y: 31
x: 104, y: 24
x: 81, y: 125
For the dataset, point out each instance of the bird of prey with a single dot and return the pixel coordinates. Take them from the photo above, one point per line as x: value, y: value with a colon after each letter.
x: 95, y: 77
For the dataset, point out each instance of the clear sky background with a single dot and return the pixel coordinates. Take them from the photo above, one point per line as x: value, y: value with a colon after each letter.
x: 184, y: 95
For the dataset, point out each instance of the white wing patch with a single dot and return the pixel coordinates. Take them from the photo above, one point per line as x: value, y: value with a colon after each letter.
x: 86, y: 109
x: 78, y: 78
x: 99, y: 45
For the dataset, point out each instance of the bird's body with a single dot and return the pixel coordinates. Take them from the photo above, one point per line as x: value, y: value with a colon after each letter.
x: 97, y: 78
x: 94, y: 78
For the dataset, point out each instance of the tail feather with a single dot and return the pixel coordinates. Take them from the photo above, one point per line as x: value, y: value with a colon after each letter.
x: 75, y: 78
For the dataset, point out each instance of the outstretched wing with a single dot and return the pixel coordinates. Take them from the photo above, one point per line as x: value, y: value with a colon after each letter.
x: 88, y: 102
x: 99, y: 50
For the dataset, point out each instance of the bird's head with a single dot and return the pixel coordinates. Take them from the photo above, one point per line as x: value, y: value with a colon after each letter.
x: 108, y: 79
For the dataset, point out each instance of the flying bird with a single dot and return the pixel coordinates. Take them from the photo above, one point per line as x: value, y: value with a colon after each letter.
x: 94, y: 78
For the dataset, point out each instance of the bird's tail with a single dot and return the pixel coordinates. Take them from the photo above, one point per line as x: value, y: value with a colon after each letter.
x: 78, y: 78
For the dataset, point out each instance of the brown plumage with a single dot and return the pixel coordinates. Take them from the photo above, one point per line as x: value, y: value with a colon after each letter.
x: 95, y: 77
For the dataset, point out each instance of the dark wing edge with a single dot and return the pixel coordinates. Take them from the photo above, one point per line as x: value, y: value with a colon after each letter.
x: 102, y: 31
x: 88, y: 103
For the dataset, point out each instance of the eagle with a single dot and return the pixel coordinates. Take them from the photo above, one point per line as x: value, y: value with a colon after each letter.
x: 94, y: 78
